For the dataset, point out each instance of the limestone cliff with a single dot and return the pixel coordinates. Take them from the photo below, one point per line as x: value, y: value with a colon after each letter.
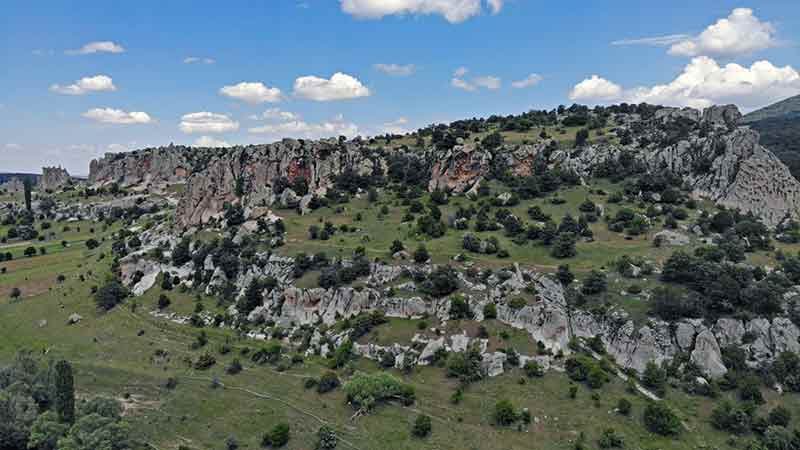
x: 53, y: 178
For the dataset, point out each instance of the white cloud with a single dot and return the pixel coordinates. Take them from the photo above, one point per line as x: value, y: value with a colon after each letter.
x: 488, y: 82
x: 301, y: 129
x: 703, y: 82
x: 396, y: 126
x: 97, y: 47
x: 339, y: 87
x: 659, y: 41
x: 454, y: 11
x: 197, y: 59
x: 495, y: 5
x: 97, y: 83
x: 117, y: 116
x: 459, y: 83
x: 252, y: 92
x: 595, y: 88
x: 740, y: 33
x: 208, y: 141
x: 276, y: 113
x: 13, y: 146
x: 207, y: 122
x: 396, y: 69
x: 529, y: 81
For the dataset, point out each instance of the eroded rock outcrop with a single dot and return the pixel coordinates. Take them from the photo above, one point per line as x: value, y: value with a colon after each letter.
x: 54, y: 178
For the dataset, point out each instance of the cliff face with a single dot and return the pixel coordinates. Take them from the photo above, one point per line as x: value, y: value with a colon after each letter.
x: 717, y: 160
x: 53, y: 178
x: 143, y: 167
x: 253, y: 170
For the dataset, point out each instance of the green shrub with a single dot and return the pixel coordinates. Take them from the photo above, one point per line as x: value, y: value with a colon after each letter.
x: 504, y: 414
x: 422, y: 426
x: 365, y: 391
x: 660, y: 419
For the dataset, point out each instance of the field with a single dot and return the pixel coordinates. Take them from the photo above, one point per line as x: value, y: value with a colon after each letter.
x: 115, y: 352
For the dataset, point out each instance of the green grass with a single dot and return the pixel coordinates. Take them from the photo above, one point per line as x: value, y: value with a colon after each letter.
x: 113, y: 352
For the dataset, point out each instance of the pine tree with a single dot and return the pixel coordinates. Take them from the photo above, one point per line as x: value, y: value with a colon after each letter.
x: 64, y: 392
x: 26, y: 184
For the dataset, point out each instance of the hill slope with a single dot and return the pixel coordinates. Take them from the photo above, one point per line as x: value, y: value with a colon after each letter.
x: 779, y: 126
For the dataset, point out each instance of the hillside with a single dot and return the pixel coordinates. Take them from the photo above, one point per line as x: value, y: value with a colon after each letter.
x: 779, y: 127
x: 622, y: 276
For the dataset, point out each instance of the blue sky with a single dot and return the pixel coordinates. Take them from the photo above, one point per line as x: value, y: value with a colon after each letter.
x: 132, y: 85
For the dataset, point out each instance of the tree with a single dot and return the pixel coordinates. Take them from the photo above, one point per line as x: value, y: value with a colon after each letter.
x: 94, y: 432
x: 30, y: 251
x: 15, y: 293
x: 27, y: 187
x: 110, y: 295
x: 277, y: 437
x: 17, y: 413
x: 64, y: 395
x: 564, y: 275
x: 581, y: 137
x: 660, y: 419
x: 459, y: 308
x: 504, y: 414
x: 92, y: 244
x: 595, y: 283
x: 422, y: 426
x: 181, y: 254
x: 421, y: 255
x: 328, y: 382
x: 654, y: 377
x: 46, y: 431
x: 397, y: 246
x: 564, y: 246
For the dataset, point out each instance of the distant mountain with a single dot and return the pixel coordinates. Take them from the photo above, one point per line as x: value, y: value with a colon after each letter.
x: 784, y: 109
x: 6, y: 176
x: 779, y: 126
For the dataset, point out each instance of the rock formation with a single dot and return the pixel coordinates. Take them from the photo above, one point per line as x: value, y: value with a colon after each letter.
x: 53, y: 178
x: 717, y: 160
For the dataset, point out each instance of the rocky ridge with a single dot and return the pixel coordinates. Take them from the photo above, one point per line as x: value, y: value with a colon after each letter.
x: 718, y: 161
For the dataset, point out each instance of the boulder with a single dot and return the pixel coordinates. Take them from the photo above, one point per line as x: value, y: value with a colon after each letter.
x: 707, y: 356
x: 672, y: 238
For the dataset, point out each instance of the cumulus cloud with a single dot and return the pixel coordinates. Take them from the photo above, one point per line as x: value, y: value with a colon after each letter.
x: 460, y: 72
x: 207, y: 122
x: 208, y: 141
x: 117, y: 116
x: 97, y: 83
x: 595, y: 88
x: 13, y: 146
x: 301, y: 129
x: 396, y: 69
x: 197, y: 59
x: 454, y: 11
x: 529, y: 81
x: 488, y: 82
x: 740, y: 33
x: 396, y: 126
x: 97, y: 47
x: 276, y: 114
x: 252, y: 92
x: 495, y: 5
x: 703, y: 82
x: 339, y: 87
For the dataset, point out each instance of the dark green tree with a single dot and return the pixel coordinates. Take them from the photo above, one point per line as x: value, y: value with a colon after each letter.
x: 64, y: 395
